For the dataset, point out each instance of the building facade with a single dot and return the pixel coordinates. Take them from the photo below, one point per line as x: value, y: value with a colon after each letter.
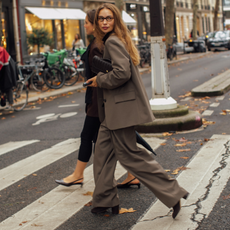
x: 63, y: 30
x: 8, y: 28
x: 205, y: 17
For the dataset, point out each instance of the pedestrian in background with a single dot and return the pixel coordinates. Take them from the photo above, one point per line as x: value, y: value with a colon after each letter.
x: 77, y: 44
x: 92, y: 122
x: 123, y: 103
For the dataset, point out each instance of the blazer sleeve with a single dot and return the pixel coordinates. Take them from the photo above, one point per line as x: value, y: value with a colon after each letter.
x: 120, y: 61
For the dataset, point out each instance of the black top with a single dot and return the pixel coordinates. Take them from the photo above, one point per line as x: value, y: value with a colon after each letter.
x: 91, y: 92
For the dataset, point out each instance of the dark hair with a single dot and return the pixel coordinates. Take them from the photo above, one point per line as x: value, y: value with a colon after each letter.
x: 78, y: 37
x: 91, y: 15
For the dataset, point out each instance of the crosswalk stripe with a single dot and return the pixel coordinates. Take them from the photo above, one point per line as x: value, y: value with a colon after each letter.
x: 55, y: 207
x: 23, y: 168
x: 205, y: 179
x: 12, y: 145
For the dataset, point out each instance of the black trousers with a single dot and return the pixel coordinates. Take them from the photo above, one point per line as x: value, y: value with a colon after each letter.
x: 88, y: 136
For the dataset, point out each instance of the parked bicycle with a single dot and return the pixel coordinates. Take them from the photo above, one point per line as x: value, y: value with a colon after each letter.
x: 171, y: 50
x: 69, y: 65
x: 145, y: 54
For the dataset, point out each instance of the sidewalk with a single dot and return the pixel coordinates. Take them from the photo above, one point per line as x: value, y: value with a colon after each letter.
x: 205, y: 88
x: 34, y: 96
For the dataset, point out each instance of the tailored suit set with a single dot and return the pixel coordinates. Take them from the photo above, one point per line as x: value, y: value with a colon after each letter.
x: 123, y: 104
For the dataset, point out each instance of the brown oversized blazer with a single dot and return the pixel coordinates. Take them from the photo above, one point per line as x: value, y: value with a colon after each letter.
x: 122, y: 99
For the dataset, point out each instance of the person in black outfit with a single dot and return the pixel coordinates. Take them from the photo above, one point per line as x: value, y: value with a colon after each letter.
x: 92, y: 123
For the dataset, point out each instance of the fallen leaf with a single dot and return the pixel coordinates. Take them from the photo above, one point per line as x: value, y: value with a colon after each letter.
x: 163, y: 143
x: 226, y: 197
x: 206, y: 139
x: 88, y: 194
x: 167, y: 170
x: 184, y: 158
x: 223, y: 133
x: 176, y: 171
x: 124, y: 210
x: 180, y: 145
x: 106, y: 215
x: 36, y: 225
x: 34, y: 174
x: 167, y: 134
x: 88, y: 204
x: 19, y: 185
x: 3, y: 118
x: 183, y: 150
x: 182, y: 139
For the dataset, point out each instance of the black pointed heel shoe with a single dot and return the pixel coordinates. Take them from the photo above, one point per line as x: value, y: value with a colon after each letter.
x: 62, y: 182
x: 127, y: 185
x: 186, y: 196
x: 97, y: 210
x: 176, y: 209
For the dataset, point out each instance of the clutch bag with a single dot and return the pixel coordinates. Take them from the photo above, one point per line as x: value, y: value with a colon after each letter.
x: 101, y: 65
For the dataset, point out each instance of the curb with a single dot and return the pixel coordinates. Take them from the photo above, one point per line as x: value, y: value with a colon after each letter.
x: 214, y: 87
x: 190, y: 121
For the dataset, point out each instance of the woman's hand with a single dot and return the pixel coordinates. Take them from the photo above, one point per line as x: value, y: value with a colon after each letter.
x: 94, y: 82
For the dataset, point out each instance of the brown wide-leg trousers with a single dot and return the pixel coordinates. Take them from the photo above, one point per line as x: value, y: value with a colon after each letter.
x: 113, y: 145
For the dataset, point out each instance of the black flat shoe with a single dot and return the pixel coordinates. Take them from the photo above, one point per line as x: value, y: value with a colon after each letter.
x: 62, y: 182
x: 97, y: 210
x: 176, y: 209
x: 127, y: 185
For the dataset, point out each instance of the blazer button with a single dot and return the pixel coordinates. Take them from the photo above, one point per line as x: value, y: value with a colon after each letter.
x: 104, y: 100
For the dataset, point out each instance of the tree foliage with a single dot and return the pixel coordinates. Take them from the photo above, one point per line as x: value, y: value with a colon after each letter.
x: 39, y: 37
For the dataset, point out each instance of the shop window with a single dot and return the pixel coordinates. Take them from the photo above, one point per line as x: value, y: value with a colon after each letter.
x: 32, y: 21
x: 4, y: 32
x: 71, y: 28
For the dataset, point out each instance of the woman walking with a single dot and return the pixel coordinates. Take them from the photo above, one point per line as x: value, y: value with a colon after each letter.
x: 122, y: 104
x: 92, y: 122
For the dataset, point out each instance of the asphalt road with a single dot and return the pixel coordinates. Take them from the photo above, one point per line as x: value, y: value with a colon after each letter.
x: 51, y: 123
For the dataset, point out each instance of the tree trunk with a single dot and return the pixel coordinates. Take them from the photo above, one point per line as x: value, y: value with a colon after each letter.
x: 216, y: 15
x: 169, y: 21
x: 119, y: 4
x: 1, y: 22
x: 194, y: 21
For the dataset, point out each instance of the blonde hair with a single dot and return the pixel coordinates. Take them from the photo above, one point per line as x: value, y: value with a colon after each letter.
x: 120, y: 30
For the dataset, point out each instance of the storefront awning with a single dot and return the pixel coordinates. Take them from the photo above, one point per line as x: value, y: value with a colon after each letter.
x: 128, y: 19
x: 57, y: 13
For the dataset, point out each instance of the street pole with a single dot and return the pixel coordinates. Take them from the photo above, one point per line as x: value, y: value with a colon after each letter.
x: 161, y: 99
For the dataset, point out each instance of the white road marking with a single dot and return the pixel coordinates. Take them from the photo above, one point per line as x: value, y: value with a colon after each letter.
x: 65, y: 115
x: 207, y: 112
x: 12, y: 145
x: 45, y: 116
x: 71, y: 105
x: 54, y: 208
x: 21, y: 169
x: 204, y: 179
x: 219, y: 98
x: 215, y: 104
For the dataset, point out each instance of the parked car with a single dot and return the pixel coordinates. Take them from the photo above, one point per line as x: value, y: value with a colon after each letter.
x: 208, y: 36
x: 219, y: 41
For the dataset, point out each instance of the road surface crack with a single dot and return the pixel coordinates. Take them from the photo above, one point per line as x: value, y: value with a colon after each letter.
x: 214, y: 178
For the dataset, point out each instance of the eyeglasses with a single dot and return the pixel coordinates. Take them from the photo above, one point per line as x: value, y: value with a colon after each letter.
x: 108, y: 19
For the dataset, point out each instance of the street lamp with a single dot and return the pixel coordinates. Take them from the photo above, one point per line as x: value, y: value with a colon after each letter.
x: 161, y: 99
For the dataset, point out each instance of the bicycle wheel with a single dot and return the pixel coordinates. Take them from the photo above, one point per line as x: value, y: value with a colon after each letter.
x: 54, y: 78
x: 71, y: 75
x: 38, y: 82
x: 20, y: 96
